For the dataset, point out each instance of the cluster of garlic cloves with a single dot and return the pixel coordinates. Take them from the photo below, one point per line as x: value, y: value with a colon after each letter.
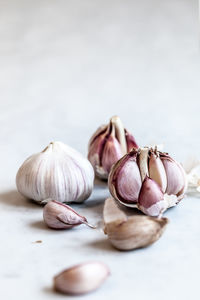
x: 108, y: 144
x: 58, y: 215
x: 57, y: 173
x: 149, y: 180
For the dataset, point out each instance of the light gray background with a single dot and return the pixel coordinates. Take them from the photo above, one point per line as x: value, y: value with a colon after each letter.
x: 65, y: 68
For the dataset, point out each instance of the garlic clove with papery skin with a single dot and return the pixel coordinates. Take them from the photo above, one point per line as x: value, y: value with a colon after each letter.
x: 157, y: 171
x: 58, y: 215
x: 175, y: 178
x: 127, y: 232
x: 108, y: 144
x: 151, y: 198
x: 129, y: 172
x: 57, y: 173
x: 112, y: 153
x: 81, y: 279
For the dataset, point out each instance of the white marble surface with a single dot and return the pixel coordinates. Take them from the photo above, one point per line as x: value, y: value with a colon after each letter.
x: 65, y: 68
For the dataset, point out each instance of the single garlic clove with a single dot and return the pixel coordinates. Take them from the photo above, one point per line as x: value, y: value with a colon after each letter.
x: 108, y: 145
x: 143, y: 162
x: 61, y: 216
x: 175, y: 177
x: 96, y: 148
x: 82, y: 278
x: 125, y: 182
x: 130, y: 232
x: 119, y: 130
x: 157, y: 171
x: 57, y: 173
x: 131, y: 142
x: 111, y: 154
x: 151, y: 198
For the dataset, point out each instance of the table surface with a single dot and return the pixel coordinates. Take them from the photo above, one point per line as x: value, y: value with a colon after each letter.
x: 66, y: 68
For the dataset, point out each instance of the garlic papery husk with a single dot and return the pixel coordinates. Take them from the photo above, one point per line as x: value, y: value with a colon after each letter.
x: 192, y: 169
x: 58, y: 215
x: 82, y: 278
x: 57, y: 173
x: 107, y: 145
x: 147, y: 179
x: 127, y: 232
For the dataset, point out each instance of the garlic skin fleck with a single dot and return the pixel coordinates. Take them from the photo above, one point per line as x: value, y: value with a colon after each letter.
x: 192, y: 169
x: 107, y: 145
x: 130, y: 232
x: 149, y: 180
x: 57, y: 173
x: 81, y: 279
x: 61, y: 216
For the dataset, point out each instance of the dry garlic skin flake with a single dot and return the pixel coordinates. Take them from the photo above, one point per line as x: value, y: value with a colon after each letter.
x: 57, y: 173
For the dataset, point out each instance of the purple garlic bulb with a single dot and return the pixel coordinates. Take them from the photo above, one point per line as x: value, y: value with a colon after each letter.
x: 107, y: 145
x: 147, y: 179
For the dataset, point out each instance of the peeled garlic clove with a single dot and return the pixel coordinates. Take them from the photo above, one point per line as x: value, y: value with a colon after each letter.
x: 125, y: 182
x: 57, y: 173
x: 61, y: 216
x: 157, y: 171
x: 130, y: 232
x: 108, y: 145
x: 151, y: 198
x: 175, y: 177
x: 82, y: 278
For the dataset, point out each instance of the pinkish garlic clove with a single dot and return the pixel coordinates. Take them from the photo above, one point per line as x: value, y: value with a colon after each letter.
x: 61, y: 216
x: 81, y: 279
x: 125, y: 182
x: 175, y: 178
x: 96, y: 148
x: 108, y: 145
x: 130, y: 140
x: 151, y: 198
x: 157, y: 171
x: 112, y: 153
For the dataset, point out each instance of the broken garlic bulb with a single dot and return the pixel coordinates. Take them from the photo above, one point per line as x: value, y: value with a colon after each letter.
x: 57, y: 173
x: 107, y: 145
x: 149, y: 180
x: 130, y: 232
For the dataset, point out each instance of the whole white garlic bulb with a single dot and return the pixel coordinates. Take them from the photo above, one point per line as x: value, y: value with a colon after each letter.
x: 57, y: 173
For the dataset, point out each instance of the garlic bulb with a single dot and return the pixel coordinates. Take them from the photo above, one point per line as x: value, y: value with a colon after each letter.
x: 107, y: 145
x: 82, y: 278
x: 57, y: 173
x: 61, y: 216
x: 130, y: 232
x: 149, y: 180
